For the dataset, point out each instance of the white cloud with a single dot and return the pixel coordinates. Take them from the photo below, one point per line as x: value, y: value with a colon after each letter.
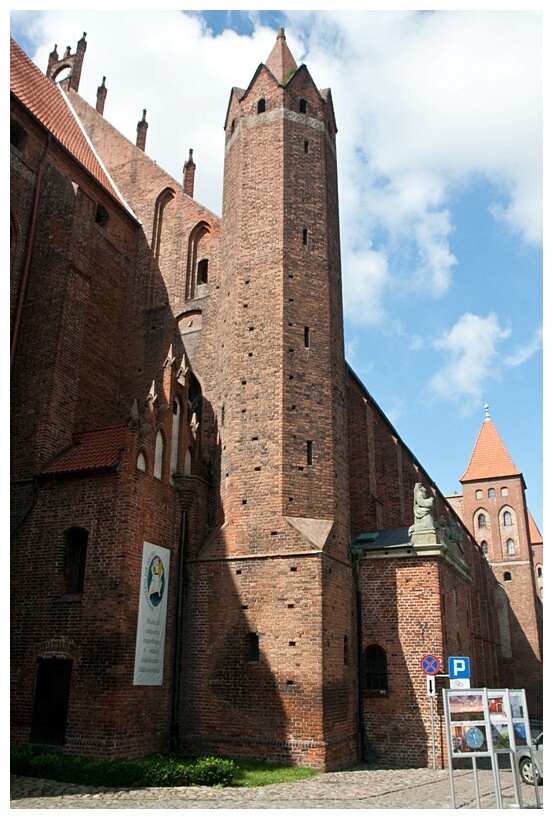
x: 523, y: 353
x: 471, y: 350
x: 426, y: 104
x: 365, y: 279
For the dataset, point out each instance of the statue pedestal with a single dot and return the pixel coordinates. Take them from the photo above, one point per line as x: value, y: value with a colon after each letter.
x: 424, y: 537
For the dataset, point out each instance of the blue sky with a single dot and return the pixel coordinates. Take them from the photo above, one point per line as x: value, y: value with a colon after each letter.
x: 439, y: 159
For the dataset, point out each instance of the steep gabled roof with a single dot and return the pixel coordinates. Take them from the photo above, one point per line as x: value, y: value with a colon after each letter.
x: 46, y: 101
x: 489, y: 458
x: 535, y: 536
x: 100, y: 449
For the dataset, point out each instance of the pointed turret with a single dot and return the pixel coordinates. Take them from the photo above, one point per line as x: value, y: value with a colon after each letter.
x: 280, y: 62
x: 489, y: 458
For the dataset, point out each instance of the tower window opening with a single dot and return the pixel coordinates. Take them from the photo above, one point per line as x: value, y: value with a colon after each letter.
x: 309, y: 452
x: 306, y: 146
x: 253, y: 641
x: 303, y: 106
x: 507, y: 520
x: 306, y: 337
x: 261, y: 106
x: 76, y: 541
x: 305, y: 237
x: 481, y: 521
x: 510, y: 547
x: 540, y: 573
x: 491, y: 493
x: 203, y: 265
x: 484, y: 547
x: 507, y: 576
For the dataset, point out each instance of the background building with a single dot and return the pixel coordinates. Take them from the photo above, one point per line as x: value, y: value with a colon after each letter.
x: 213, y: 523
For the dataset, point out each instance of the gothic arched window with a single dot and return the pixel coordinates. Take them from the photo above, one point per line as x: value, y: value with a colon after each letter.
x: 481, y: 521
x: 158, y: 458
x: 376, y: 665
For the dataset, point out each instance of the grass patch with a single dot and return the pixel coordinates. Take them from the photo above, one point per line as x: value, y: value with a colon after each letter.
x: 253, y: 773
x: 151, y: 771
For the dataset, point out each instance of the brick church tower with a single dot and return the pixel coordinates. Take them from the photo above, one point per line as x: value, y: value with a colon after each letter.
x: 274, y: 580
x: 494, y: 509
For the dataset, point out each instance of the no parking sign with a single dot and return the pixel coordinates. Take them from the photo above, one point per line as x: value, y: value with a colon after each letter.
x: 430, y: 664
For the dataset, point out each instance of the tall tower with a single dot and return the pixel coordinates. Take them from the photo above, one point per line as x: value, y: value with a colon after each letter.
x: 283, y: 575
x: 494, y: 508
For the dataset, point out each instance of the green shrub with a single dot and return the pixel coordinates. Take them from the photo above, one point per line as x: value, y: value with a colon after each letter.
x: 153, y: 771
x: 211, y: 770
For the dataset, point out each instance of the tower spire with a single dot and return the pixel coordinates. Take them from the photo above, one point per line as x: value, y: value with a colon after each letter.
x: 280, y: 61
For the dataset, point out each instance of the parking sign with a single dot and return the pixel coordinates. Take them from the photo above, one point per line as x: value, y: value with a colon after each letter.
x: 459, y: 668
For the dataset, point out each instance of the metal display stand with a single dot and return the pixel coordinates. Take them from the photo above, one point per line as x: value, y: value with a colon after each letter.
x: 488, y: 723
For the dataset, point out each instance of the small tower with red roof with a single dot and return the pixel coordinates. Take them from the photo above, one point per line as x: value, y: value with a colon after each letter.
x: 494, y: 509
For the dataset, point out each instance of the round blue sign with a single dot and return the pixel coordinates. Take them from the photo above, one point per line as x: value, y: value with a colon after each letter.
x: 430, y: 664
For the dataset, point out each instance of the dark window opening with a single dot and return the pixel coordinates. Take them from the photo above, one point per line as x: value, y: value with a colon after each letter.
x: 261, y: 106
x: 306, y: 336
x: 101, y: 216
x: 309, y: 453
x: 484, y: 548
x: 305, y: 237
x: 481, y: 521
x: 539, y: 571
x: 18, y: 135
x: 306, y: 146
x: 303, y: 106
x: 76, y: 541
x: 253, y: 647
x: 376, y: 666
x: 507, y: 576
x: 507, y: 520
x: 49, y: 722
x: 202, y: 271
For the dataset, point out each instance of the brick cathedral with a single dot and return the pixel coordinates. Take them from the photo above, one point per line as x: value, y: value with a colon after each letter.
x: 214, y: 534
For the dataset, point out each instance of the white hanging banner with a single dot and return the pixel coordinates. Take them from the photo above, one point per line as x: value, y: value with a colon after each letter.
x: 152, y: 615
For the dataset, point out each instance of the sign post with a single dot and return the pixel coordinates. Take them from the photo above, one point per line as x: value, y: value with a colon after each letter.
x: 431, y: 666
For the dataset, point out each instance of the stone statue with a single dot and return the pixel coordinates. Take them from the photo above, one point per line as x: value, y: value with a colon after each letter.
x: 422, y: 508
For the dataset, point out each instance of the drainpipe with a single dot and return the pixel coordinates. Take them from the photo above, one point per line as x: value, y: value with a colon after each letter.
x: 178, y: 640
x: 29, y: 253
x: 356, y: 553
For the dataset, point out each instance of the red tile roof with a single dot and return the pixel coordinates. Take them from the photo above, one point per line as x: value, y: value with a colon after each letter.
x: 489, y: 457
x: 47, y: 102
x: 100, y: 449
x: 535, y: 536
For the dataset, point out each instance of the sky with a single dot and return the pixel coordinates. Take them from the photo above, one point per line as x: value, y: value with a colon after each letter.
x: 440, y: 127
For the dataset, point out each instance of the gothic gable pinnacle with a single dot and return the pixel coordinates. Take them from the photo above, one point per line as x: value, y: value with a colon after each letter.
x: 489, y: 458
x: 280, y: 62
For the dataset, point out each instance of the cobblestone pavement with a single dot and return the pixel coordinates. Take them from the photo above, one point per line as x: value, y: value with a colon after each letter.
x: 393, y: 789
